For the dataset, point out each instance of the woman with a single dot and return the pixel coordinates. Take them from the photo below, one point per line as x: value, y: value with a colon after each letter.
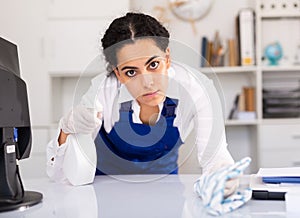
x: 144, y: 109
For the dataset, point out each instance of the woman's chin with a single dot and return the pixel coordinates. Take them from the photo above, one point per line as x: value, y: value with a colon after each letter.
x: 151, y: 100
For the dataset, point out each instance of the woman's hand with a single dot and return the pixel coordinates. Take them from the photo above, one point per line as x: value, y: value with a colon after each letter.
x: 231, y: 186
x: 81, y: 120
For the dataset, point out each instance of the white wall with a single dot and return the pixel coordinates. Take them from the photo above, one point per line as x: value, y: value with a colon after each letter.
x: 24, y: 22
x: 221, y: 17
x: 27, y: 24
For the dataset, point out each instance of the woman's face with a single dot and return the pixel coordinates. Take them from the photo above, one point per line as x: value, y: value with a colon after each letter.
x: 142, y: 67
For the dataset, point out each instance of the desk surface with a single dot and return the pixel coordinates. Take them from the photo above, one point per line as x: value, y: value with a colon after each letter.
x: 131, y: 196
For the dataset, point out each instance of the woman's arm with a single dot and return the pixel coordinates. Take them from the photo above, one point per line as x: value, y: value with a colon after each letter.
x: 62, y: 138
x: 55, y: 156
x: 56, y: 148
x: 212, y: 144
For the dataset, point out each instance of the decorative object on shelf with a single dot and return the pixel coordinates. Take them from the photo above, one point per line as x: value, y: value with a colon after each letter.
x: 213, y: 52
x: 218, y: 51
x: 190, y: 10
x: 273, y: 53
x: 161, y: 14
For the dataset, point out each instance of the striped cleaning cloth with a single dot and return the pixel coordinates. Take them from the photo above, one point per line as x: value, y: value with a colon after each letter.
x: 210, y: 189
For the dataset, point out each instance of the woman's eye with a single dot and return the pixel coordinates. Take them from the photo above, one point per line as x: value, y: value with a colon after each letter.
x: 130, y: 73
x: 154, y: 65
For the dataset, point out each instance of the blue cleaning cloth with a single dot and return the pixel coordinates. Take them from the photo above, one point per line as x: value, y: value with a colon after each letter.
x: 210, y: 189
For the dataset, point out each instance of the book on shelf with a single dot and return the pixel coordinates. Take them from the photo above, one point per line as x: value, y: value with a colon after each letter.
x: 246, y: 36
x: 242, y: 102
x: 244, y: 105
x: 232, y: 53
x: 234, y: 108
x: 246, y: 115
x: 249, y: 98
x: 209, y: 53
x: 204, y: 44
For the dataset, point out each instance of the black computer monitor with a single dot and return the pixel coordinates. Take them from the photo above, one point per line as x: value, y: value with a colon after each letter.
x: 15, y: 131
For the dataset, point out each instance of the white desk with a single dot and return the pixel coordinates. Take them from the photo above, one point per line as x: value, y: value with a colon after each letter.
x: 142, y: 197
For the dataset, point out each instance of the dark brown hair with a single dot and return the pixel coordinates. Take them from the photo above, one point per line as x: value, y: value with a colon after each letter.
x: 127, y: 29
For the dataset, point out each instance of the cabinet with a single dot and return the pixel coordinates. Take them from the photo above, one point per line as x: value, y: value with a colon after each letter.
x: 280, y: 144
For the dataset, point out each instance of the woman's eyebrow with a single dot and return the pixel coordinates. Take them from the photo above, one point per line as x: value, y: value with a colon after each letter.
x: 147, y: 62
x: 150, y: 59
x: 128, y: 67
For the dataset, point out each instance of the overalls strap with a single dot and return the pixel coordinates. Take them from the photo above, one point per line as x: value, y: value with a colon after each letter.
x: 126, y: 107
x: 169, y: 107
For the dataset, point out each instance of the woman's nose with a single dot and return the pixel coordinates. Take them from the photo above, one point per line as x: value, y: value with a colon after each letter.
x: 147, y: 80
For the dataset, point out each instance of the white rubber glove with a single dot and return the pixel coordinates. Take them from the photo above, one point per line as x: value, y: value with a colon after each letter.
x: 82, y: 120
x: 231, y: 186
x: 211, y: 189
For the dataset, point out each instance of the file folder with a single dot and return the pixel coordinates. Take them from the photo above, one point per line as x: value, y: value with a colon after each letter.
x: 281, y: 179
x: 246, y: 36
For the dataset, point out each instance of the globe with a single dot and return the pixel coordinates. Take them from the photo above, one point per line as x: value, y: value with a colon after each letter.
x: 273, y: 53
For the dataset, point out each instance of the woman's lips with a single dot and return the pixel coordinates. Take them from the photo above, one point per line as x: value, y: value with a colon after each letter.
x: 150, y: 94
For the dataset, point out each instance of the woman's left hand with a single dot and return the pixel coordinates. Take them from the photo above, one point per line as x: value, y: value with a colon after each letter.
x: 231, y: 186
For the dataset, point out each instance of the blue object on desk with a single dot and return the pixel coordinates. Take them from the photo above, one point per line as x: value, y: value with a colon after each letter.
x: 281, y: 179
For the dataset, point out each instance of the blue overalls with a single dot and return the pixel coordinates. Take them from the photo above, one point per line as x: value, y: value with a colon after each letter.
x: 133, y: 148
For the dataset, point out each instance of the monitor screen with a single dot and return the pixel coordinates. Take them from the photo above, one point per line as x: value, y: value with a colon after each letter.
x: 9, y: 57
x: 14, y: 112
x: 15, y: 131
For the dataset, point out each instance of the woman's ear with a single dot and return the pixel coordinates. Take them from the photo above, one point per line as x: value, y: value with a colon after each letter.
x: 118, y: 75
x: 168, y: 59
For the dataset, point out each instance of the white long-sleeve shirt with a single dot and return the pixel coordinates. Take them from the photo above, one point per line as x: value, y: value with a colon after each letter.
x: 198, y: 107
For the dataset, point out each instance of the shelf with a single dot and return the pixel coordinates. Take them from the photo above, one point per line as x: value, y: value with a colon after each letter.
x: 280, y: 16
x: 291, y: 68
x: 283, y: 15
x: 240, y: 122
x: 278, y: 121
x: 270, y: 9
x: 237, y: 69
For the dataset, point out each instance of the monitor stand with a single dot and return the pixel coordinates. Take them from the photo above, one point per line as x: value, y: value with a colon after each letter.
x: 30, y: 198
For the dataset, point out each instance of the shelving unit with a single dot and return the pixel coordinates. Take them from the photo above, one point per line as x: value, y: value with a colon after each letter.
x: 276, y: 21
x: 231, y: 80
x: 279, y: 138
